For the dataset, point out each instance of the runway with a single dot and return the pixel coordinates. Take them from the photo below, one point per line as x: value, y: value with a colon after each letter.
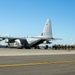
x: 43, y: 64
x: 29, y: 52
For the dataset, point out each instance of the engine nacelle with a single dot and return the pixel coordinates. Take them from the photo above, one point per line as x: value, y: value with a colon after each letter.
x: 18, y: 43
x: 47, y: 42
x: 9, y: 41
x: 1, y: 39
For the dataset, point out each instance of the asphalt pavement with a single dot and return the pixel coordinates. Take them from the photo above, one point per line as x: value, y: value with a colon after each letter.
x: 37, y: 62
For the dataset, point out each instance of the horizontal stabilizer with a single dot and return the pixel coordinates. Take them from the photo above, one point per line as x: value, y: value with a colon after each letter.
x: 40, y: 37
x: 56, y: 38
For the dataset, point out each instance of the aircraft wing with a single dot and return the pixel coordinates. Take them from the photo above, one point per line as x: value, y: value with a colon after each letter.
x: 11, y: 38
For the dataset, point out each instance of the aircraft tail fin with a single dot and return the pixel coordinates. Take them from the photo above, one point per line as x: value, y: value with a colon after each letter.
x: 47, y: 31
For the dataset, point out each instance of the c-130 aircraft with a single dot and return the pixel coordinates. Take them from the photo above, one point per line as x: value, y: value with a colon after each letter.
x: 45, y: 37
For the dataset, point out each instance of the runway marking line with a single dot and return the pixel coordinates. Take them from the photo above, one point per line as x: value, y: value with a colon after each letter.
x: 37, y: 63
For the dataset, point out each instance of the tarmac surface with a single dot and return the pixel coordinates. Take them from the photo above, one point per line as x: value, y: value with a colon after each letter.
x: 37, y: 62
x: 27, y: 52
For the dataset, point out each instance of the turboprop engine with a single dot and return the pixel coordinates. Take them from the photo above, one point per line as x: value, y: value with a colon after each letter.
x: 9, y: 41
x: 18, y: 43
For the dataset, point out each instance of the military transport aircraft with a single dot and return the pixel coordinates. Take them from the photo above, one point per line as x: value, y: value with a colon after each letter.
x: 45, y: 37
